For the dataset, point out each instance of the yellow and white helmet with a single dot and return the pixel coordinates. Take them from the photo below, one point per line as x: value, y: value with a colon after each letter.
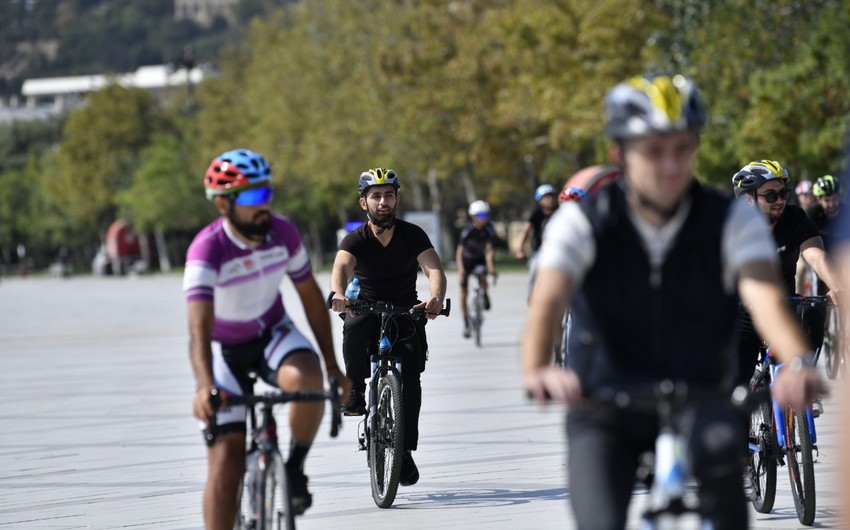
x: 653, y: 104
x: 377, y: 177
x: 757, y: 173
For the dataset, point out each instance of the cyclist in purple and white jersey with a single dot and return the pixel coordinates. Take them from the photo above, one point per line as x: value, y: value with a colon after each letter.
x: 238, y: 325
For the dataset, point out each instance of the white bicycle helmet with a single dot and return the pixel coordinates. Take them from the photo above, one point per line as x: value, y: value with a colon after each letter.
x: 479, y: 208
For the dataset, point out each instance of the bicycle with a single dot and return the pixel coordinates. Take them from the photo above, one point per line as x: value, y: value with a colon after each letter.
x: 666, y: 470
x: 382, y: 432
x: 264, y: 500
x: 476, y: 317
x: 782, y: 436
x: 833, y: 343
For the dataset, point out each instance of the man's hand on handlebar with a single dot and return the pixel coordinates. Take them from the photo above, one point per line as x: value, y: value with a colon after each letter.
x: 432, y: 306
x: 339, y: 303
x: 553, y: 383
x: 202, y: 406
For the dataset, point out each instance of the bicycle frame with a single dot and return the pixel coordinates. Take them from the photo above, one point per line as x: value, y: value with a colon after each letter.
x: 779, y: 412
x: 381, y: 363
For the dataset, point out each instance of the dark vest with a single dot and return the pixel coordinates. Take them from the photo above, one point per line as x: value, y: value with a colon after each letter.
x: 631, y: 323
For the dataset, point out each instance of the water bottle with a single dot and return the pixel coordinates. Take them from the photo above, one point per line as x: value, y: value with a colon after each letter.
x: 670, y: 469
x: 352, y: 292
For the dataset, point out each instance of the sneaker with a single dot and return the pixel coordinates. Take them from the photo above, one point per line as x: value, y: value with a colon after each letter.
x: 409, y: 471
x: 301, y: 497
x: 467, y: 331
x: 486, y: 302
x: 356, y: 404
x: 817, y: 407
x: 749, y: 490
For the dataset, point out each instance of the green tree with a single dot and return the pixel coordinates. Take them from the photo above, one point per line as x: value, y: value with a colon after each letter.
x: 100, y: 151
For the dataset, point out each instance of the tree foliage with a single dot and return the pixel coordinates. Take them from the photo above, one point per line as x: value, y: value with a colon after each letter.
x: 466, y: 99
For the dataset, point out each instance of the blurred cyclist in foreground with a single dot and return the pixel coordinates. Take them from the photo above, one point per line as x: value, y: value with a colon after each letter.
x: 651, y: 267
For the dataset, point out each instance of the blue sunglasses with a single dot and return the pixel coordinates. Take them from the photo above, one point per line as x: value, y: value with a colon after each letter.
x: 254, y: 197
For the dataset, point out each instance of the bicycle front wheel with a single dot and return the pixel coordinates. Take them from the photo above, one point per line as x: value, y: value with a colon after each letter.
x: 477, y: 320
x: 833, y: 344
x: 275, y: 510
x: 762, y: 464
x: 386, y: 441
x: 801, y: 468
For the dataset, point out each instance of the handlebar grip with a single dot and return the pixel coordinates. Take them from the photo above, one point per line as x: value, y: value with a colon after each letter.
x: 329, y: 301
x: 209, y: 431
x: 336, y: 415
x: 448, y: 309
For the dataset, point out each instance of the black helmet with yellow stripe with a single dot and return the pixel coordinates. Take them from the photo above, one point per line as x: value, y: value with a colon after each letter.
x: 653, y: 104
x: 376, y: 177
x: 756, y: 173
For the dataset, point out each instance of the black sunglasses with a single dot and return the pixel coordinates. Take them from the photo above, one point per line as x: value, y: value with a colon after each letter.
x: 772, y: 196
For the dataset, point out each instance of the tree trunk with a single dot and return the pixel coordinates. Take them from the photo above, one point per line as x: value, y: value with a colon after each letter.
x: 162, y: 251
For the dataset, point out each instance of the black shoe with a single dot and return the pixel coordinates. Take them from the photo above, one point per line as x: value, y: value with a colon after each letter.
x: 486, y: 302
x: 356, y: 404
x: 301, y: 498
x: 409, y: 471
x: 749, y: 490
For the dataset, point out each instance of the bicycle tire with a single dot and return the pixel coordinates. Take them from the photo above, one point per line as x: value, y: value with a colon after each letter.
x: 243, y: 507
x: 275, y: 510
x: 833, y: 347
x: 386, y: 441
x: 478, y: 319
x: 761, y: 465
x: 801, y: 468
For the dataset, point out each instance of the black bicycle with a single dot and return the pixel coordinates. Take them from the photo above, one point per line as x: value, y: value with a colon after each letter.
x: 476, y: 311
x: 382, y: 435
x: 264, y: 499
x: 666, y: 471
x: 834, y: 341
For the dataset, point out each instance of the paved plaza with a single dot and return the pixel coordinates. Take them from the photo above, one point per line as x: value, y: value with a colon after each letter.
x: 97, y: 430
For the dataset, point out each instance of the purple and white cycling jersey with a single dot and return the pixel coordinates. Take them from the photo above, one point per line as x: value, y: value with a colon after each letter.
x: 244, y: 282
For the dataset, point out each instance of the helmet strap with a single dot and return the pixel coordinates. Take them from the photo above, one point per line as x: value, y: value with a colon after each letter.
x: 380, y: 228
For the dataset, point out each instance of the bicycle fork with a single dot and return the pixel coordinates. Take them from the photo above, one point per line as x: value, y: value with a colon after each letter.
x: 370, y: 423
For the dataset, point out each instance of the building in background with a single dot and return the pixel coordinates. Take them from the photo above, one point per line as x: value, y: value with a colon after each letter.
x: 204, y: 12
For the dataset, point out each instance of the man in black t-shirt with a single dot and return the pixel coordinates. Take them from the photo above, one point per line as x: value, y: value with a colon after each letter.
x: 762, y: 184
x: 826, y: 191
x: 475, y: 251
x: 547, y: 202
x: 385, y: 255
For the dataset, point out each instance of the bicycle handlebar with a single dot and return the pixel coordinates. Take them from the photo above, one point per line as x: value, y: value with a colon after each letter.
x: 650, y: 397
x: 274, y: 398
x: 362, y: 306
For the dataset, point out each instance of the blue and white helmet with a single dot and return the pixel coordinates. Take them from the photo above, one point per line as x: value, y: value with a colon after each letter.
x: 543, y: 190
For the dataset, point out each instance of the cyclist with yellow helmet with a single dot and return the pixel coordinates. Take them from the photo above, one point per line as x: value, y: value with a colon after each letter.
x: 385, y: 254
x: 763, y: 185
x: 651, y: 267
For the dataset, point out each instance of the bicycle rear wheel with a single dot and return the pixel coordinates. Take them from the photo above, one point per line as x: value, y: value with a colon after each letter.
x: 275, y: 510
x: 386, y: 441
x: 801, y: 467
x: 761, y: 464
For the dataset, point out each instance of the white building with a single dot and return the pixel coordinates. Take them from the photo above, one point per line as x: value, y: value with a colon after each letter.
x: 203, y: 12
x: 53, y: 95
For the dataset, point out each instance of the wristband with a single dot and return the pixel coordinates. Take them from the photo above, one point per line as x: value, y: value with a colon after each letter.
x: 807, y: 360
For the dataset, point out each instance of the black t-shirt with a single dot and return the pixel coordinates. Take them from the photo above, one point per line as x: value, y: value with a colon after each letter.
x: 474, y: 241
x: 387, y: 273
x: 538, y: 223
x: 792, y: 230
